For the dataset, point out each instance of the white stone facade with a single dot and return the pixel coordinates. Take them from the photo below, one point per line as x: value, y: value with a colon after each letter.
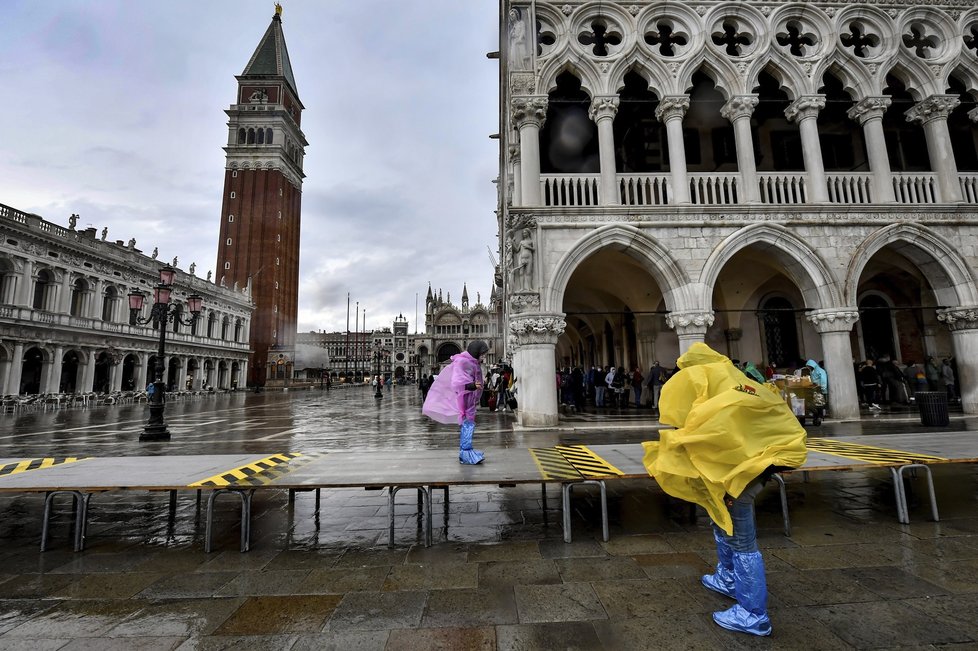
x: 65, y: 321
x: 781, y: 180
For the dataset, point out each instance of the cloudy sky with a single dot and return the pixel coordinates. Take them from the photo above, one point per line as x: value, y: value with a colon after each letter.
x: 115, y: 110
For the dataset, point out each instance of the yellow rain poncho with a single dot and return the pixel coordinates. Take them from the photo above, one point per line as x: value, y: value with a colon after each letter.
x: 729, y: 430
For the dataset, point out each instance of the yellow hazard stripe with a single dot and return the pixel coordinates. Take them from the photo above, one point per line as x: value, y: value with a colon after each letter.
x: 255, y: 473
x: 553, y: 465
x: 586, y: 462
x: 869, y: 453
x: 25, y: 465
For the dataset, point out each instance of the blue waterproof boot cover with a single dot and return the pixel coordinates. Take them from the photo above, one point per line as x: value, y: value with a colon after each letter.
x: 466, y: 454
x: 722, y: 580
x: 749, y: 614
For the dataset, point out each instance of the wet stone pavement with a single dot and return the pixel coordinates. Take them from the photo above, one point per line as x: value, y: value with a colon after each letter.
x: 498, y: 576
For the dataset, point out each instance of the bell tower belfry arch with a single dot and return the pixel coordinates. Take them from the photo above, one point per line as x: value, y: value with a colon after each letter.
x: 260, y: 216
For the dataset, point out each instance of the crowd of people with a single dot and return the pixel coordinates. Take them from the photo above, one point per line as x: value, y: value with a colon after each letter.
x: 886, y: 381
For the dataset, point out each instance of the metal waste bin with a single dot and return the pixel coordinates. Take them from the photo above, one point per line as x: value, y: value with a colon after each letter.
x: 932, y: 406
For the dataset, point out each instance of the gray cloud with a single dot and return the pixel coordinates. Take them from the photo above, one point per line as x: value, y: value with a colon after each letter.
x: 121, y: 120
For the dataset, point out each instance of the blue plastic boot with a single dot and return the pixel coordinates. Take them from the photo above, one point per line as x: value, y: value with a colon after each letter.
x: 749, y: 614
x: 722, y: 580
x: 466, y: 454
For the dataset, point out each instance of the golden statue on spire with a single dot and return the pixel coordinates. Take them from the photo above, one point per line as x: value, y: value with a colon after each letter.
x: 278, y: 9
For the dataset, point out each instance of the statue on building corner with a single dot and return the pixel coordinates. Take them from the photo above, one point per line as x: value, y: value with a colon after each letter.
x: 518, y: 59
x: 193, y: 268
x: 72, y: 221
x: 156, y: 252
x: 105, y: 233
x: 210, y: 274
x: 132, y: 244
x: 174, y: 265
x: 522, y: 271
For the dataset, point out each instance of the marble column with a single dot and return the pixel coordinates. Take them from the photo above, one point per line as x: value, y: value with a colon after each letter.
x: 62, y: 304
x: 645, y: 332
x: 12, y: 387
x: 529, y: 114
x: 96, y: 298
x: 5, y: 367
x: 88, y: 383
x: 738, y: 110
x: 933, y: 112
x: 690, y: 327
x: 51, y: 372
x: 834, y: 326
x: 963, y: 323
x: 182, y: 375
x: 25, y: 285
x: 536, y: 335
x: 603, y: 111
x: 115, y: 374
x: 671, y: 111
x: 869, y: 113
x: 804, y: 111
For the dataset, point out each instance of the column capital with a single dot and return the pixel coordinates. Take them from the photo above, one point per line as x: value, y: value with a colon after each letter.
x: 604, y: 106
x: 959, y: 318
x: 839, y: 319
x: 529, y: 109
x: 739, y: 106
x: 806, y: 106
x: 869, y: 108
x: 524, y: 301
x: 690, y: 323
x: 537, y: 329
x: 672, y: 106
x: 935, y: 107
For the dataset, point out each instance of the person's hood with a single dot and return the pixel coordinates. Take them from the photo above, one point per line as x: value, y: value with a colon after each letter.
x: 813, y: 364
x: 700, y: 353
x: 477, y: 348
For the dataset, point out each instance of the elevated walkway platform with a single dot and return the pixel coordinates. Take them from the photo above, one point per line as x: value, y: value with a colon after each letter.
x: 426, y: 470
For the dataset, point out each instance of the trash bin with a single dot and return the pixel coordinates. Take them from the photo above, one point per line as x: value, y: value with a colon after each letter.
x: 933, y: 408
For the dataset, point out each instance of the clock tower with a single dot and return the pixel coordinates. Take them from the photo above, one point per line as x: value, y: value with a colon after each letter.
x: 259, y: 242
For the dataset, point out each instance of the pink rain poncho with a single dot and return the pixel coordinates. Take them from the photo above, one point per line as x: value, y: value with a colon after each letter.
x: 448, y: 401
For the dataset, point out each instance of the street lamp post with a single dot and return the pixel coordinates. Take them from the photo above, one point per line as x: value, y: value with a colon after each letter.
x: 379, y: 352
x: 155, y: 428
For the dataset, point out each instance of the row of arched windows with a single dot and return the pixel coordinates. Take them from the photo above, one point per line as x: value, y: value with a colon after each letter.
x: 259, y: 136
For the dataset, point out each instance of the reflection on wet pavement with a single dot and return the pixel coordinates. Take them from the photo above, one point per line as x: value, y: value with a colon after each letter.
x: 499, y: 574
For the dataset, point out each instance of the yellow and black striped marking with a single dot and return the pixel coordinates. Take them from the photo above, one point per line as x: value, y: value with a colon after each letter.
x: 553, y: 465
x: 26, y: 465
x: 587, y: 462
x: 572, y: 462
x: 258, y: 473
x: 869, y: 453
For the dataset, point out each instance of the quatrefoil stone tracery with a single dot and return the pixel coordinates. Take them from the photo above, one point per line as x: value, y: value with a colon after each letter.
x: 668, y: 38
x: 798, y: 40
x: 735, y: 38
x: 924, y: 45
x: 599, y: 37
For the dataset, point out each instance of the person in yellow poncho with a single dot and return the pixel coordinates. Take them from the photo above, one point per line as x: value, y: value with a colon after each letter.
x: 731, y: 433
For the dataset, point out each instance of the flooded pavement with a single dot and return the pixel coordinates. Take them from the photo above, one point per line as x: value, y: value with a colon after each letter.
x: 499, y: 574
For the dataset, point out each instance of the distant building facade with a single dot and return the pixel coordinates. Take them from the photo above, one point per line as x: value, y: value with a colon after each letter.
x: 65, y: 322
x: 260, y: 217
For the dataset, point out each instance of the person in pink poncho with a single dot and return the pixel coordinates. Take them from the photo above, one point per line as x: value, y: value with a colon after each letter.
x: 454, y: 396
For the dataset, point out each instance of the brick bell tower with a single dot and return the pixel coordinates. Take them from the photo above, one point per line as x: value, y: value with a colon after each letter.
x: 262, y: 204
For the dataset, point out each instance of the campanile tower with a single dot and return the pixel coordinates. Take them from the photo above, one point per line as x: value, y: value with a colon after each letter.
x: 262, y: 203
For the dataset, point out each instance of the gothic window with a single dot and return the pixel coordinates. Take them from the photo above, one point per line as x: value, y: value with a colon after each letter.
x: 241, y: 136
x: 600, y: 37
x: 777, y: 142
x: 860, y: 40
x: 905, y: 141
x: 569, y: 138
x: 733, y: 38
x: 268, y: 136
x: 798, y: 42
x: 842, y: 142
x: 709, y: 138
x: 251, y: 136
x: 545, y: 39
x: 920, y: 42
x: 261, y: 136
x: 640, y: 142
x: 780, y: 331
x: 667, y: 38
x: 964, y: 133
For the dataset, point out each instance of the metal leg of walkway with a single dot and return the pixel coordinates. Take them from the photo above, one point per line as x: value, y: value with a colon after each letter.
x: 292, y: 492
x: 245, y: 494
x: 903, y: 509
x: 784, y: 503
x: 79, y: 503
x: 566, y: 488
x: 424, y: 497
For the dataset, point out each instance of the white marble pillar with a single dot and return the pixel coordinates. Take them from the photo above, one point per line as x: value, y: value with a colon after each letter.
x: 5, y: 367
x: 534, y: 364
x: 834, y: 326
x: 25, y: 285
x: 51, y: 373
x: 690, y: 326
x: 869, y: 113
x: 115, y: 375
x: 62, y: 304
x: 804, y: 111
x: 88, y: 384
x: 738, y: 110
x: 182, y: 375
x: 671, y: 111
x: 140, y: 372
x: 603, y: 111
x: 16, y: 370
x: 529, y: 114
x: 963, y: 323
x: 933, y: 112
x: 95, y: 300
